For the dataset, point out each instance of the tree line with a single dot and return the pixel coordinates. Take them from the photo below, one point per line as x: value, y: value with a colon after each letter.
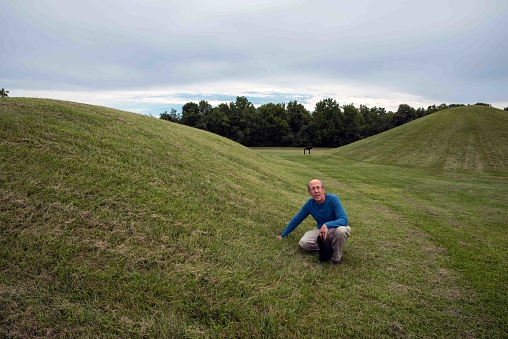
x: 292, y: 125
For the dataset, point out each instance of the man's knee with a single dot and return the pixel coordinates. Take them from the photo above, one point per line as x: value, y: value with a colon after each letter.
x: 307, y: 244
x: 303, y: 243
x: 342, y: 232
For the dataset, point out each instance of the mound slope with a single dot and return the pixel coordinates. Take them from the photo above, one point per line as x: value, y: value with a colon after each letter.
x: 471, y: 138
x: 112, y: 219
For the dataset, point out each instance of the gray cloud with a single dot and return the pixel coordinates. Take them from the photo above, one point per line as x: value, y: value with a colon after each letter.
x: 162, y: 52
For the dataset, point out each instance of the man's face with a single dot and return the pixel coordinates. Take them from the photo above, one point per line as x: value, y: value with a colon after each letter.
x: 316, y: 191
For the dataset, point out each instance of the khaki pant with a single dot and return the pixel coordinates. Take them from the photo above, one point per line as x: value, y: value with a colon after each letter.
x: 337, y: 236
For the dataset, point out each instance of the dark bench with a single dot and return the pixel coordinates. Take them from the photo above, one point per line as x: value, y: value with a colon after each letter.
x: 308, y: 148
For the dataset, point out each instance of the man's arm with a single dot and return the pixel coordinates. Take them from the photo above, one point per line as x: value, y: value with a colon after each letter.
x: 297, y: 220
x: 340, y: 214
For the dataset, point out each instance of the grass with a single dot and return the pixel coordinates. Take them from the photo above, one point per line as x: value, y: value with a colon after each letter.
x: 443, y: 229
x: 119, y: 225
x: 468, y: 138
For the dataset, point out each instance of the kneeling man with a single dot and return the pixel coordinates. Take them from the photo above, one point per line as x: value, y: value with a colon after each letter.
x: 331, y: 221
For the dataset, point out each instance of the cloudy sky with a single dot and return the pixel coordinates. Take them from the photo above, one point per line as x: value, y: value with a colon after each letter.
x: 148, y: 56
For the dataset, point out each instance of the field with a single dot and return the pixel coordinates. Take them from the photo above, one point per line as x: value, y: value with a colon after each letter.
x: 115, y: 224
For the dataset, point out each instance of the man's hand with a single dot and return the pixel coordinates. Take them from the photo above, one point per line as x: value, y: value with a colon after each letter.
x: 280, y: 238
x: 323, y: 231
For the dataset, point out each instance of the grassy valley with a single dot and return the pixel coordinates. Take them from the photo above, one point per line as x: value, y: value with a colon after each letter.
x: 115, y: 224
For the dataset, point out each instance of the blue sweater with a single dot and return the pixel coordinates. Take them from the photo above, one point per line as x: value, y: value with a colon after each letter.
x: 329, y: 212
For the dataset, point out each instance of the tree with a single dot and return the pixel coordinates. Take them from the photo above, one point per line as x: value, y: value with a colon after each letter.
x: 375, y: 120
x: 250, y: 123
x: 299, y: 119
x: 404, y: 114
x: 455, y: 105
x: 190, y: 114
x: 352, y: 124
x: 432, y: 109
x: 442, y: 107
x: 420, y: 112
x: 275, y: 124
x: 215, y: 121
x: 3, y: 93
x: 326, y: 124
x: 244, y: 121
x: 172, y: 116
x: 204, y: 109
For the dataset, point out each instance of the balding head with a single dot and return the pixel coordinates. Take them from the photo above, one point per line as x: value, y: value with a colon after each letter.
x: 314, y: 183
x: 316, y: 190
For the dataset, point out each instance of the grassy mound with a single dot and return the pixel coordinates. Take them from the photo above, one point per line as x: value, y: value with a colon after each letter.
x: 471, y: 138
x: 117, y: 225
x: 107, y: 216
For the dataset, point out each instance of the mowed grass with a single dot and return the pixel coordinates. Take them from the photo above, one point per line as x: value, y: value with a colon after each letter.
x: 471, y: 138
x: 120, y: 225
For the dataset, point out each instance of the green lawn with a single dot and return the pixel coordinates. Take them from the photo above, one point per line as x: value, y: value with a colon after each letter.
x: 446, y: 231
x: 115, y: 224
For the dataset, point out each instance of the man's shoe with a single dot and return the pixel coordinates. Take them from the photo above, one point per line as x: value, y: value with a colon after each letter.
x: 335, y: 263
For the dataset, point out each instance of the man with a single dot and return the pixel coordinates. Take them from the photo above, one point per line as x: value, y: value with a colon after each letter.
x: 331, y: 221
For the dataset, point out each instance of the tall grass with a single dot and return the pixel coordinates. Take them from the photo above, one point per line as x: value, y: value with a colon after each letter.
x: 116, y: 225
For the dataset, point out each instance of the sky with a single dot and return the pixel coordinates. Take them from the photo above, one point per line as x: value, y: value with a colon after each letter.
x: 151, y: 56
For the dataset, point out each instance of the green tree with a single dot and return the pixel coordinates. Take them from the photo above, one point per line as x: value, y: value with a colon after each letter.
x: 326, y: 124
x: 244, y: 121
x: 204, y: 109
x: 374, y: 120
x: 250, y: 124
x: 420, y: 112
x: 3, y: 93
x: 455, y: 105
x: 404, y: 114
x: 190, y: 114
x: 172, y: 116
x: 216, y: 121
x: 352, y: 124
x: 442, y: 107
x: 274, y: 124
x: 299, y: 119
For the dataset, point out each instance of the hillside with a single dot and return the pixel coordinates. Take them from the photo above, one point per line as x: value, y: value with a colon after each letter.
x: 115, y: 224
x: 104, y: 202
x: 471, y: 138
